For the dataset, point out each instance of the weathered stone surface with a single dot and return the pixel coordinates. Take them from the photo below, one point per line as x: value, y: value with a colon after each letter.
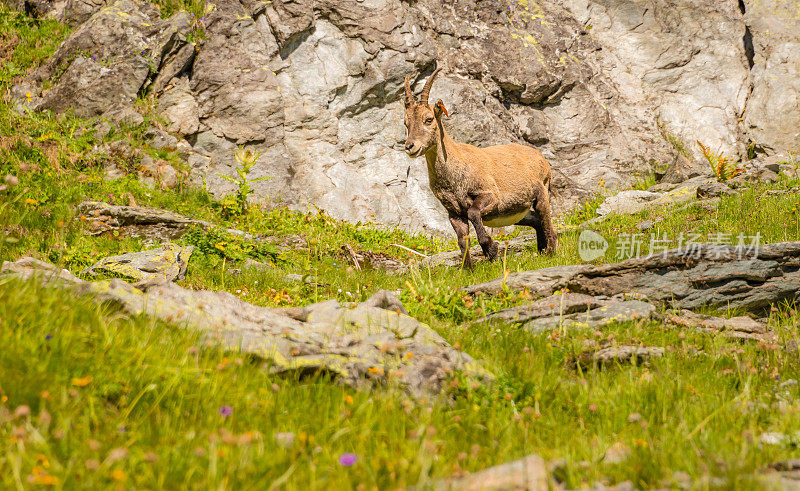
x: 578, y: 310
x: 453, y: 258
x: 648, y: 224
x: 620, y: 355
x: 572, y: 310
x: 360, y: 344
x: 713, y: 189
x: 137, y: 221
x: 104, y: 65
x: 529, y: 473
x: 596, y: 85
x: 627, y: 202
x: 703, y: 275
x: 688, y: 58
x: 772, y: 117
x: 735, y: 327
x: 631, y: 202
x: 161, y: 265
x: 552, y: 306
x: 368, y: 259
x: 384, y: 299
x: 76, y: 12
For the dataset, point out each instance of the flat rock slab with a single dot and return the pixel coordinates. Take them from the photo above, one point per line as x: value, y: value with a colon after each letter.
x: 735, y: 327
x: 572, y: 310
x: 159, y: 224
x: 362, y: 345
x: 529, y: 473
x: 167, y: 263
x: 140, y: 221
x: 453, y: 258
x: 620, y: 354
x: 752, y: 279
x: 633, y: 201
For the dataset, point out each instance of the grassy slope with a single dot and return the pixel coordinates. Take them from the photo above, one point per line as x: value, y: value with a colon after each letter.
x: 96, y: 381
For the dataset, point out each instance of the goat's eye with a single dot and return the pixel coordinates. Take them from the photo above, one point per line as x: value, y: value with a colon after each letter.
x: 429, y: 121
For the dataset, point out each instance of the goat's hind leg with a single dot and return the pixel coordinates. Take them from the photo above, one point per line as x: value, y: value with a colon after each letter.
x: 546, y: 236
x: 533, y: 220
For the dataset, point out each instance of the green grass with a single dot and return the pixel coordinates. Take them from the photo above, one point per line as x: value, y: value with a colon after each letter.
x: 79, y: 381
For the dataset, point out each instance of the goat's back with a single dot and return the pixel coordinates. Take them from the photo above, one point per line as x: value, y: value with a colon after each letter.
x: 513, y: 167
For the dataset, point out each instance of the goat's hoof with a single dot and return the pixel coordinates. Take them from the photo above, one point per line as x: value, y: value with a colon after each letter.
x: 492, y: 251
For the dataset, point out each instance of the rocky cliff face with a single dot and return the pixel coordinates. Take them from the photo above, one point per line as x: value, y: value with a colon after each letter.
x: 599, y: 86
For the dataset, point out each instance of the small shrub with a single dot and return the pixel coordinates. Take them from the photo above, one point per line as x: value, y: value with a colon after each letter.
x: 721, y: 165
x: 237, y: 204
x: 223, y: 244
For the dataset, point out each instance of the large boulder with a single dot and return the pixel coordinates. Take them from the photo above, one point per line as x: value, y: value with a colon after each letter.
x: 687, y: 57
x: 704, y: 275
x: 372, y: 343
x: 773, y: 110
x: 106, y: 63
x: 606, y: 89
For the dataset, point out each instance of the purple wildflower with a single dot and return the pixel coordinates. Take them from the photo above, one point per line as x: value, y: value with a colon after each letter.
x: 225, y: 411
x: 49, y: 337
x: 347, y: 459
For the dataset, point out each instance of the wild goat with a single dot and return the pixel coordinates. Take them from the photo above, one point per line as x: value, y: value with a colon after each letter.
x: 498, y: 186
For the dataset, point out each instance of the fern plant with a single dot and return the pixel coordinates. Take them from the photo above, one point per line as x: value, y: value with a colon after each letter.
x: 238, y: 203
x: 722, y: 165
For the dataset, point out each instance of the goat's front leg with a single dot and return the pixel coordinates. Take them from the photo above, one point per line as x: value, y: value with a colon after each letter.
x: 461, y: 227
x: 483, y: 203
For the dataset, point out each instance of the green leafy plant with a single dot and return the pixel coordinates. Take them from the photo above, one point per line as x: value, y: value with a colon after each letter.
x: 721, y: 165
x: 221, y: 243
x: 238, y: 203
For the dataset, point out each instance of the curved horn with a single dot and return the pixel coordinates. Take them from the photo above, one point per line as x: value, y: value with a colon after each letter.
x: 423, y: 97
x: 409, y: 94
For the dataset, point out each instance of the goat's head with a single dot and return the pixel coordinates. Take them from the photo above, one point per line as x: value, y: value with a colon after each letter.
x: 421, y: 119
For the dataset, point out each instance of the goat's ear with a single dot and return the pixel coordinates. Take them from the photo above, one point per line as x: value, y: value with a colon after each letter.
x: 439, y: 108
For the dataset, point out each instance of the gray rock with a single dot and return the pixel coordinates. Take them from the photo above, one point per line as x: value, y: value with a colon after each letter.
x: 648, y: 224
x: 740, y: 327
x: 611, y: 312
x: 713, y: 189
x: 743, y: 277
x: 683, y: 169
x: 179, y: 108
x: 627, y: 202
x: 688, y: 58
x: 102, y: 67
x: 631, y: 202
x: 772, y: 117
x: 387, y: 300
x: 359, y: 344
x: 160, y: 139
x: 572, y: 310
x: 154, y: 266
x: 314, y: 86
x: 553, y: 306
x: 529, y: 473
x: 137, y: 221
x: 159, y: 224
x: 76, y: 12
x: 620, y: 354
x: 453, y: 258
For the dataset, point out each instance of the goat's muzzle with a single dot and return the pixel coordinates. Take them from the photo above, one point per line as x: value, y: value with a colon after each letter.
x: 412, y: 149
